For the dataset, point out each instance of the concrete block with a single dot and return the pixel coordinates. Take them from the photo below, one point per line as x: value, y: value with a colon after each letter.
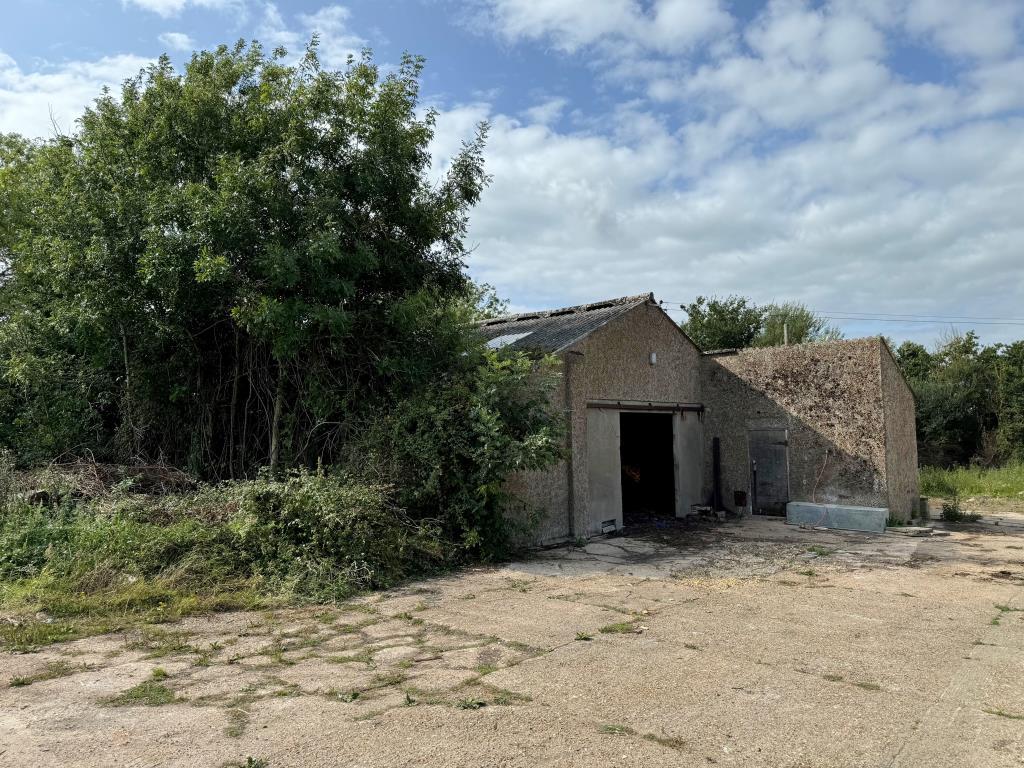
x: 845, y: 518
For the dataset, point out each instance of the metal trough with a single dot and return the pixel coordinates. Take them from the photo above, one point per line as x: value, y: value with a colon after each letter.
x: 872, y: 519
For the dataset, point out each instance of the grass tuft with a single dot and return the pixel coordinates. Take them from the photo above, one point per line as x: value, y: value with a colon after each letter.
x: 52, y: 671
x: 620, y: 628
x: 821, y: 551
x: 149, y: 693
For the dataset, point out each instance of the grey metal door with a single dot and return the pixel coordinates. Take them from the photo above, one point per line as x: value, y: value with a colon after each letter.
x: 689, y: 443
x: 769, y: 471
x: 604, y: 470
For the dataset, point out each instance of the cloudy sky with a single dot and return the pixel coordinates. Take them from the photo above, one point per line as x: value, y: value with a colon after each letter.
x: 865, y: 157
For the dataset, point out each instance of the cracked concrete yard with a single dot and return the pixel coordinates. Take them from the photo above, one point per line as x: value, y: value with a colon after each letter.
x: 749, y: 644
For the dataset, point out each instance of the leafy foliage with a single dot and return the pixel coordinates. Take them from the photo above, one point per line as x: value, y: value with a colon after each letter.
x: 794, y: 322
x: 223, y: 267
x: 970, y: 400
x: 736, y: 322
x: 732, y: 322
x: 451, y: 447
x: 314, y: 534
x: 250, y: 271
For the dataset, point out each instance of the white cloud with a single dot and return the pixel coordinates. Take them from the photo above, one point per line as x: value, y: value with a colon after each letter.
x: 797, y: 165
x: 668, y: 25
x: 34, y: 103
x: 979, y: 28
x: 547, y: 112
x: 51, y: 97
x: 930, y: 224
x: 177, y: 41
x: 331, y: 23
x: 169, y: 8
x: 337, y: 41
x: 785, y: 157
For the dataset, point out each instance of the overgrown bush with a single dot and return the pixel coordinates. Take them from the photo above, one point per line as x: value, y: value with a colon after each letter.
x: 324, y: 536
x: 450, y: 448
x: 130, y: 556
x: 288, y: 293
x: 952, y: 512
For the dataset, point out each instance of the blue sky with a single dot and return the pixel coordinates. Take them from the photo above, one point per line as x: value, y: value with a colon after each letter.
x: 862, y: 156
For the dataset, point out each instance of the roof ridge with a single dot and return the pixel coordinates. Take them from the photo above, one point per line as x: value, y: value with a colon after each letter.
x: 574, y: 310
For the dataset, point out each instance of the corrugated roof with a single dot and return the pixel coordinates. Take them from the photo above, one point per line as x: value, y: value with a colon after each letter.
x: 555, y: 329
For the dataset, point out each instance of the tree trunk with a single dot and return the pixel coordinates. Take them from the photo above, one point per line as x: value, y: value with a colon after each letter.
x: 133, y: 442
x: 234, y: 409
x: 275, y: 423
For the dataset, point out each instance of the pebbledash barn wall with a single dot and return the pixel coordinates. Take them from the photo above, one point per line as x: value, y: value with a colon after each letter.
x: 842, y: 409
x: 607, y: 368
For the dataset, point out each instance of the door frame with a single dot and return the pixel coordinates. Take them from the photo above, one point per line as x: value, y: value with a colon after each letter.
x: 682, y: 414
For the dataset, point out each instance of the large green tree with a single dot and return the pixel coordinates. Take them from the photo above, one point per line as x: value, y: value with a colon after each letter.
x: 730, y: 322
x: 223, y: 267
x: 793, y: 323
x: 736, y: 322
x: 970, y: 400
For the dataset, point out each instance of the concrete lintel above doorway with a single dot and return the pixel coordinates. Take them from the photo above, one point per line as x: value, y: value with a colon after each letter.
x: 641, y: 405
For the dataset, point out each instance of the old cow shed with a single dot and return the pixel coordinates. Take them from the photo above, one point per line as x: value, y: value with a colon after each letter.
x: 658, y: 428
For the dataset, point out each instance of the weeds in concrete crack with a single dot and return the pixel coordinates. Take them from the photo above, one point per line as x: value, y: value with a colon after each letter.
x: 387, y: 679
x: 360, y: 657
x: 672, y: 742
x: 53, y: 670
x: 347, y: 696
x: 612, y: 729
x: 1002, y: 713
x: 619, y: 628
x: 821, y: 551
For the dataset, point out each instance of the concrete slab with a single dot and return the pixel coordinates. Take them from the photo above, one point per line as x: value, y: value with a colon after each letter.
x: 878, y: 651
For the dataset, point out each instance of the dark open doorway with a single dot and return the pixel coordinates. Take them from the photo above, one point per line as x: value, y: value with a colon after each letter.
x: 648, y: 466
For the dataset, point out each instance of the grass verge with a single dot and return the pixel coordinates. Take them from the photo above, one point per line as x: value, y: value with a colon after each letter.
x: 997, y: 482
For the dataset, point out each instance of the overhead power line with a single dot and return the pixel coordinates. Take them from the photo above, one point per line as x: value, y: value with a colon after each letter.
x: 889, y: 317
